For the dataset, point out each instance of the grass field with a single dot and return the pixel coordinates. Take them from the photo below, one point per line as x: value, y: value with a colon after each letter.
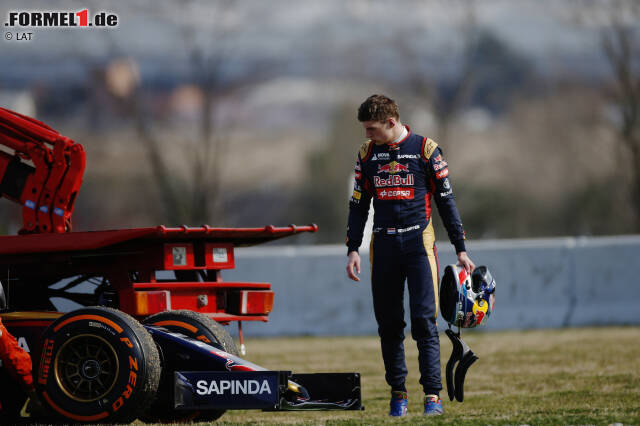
x: 569, y: 376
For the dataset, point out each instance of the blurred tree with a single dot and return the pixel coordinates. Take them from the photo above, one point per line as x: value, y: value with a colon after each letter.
x: 561, y: 166
x: 325, y: 193
x: 484, y: 70
x: 500, y: 72
x: 621, y: 45
x: 209, y: 32
x: 445, y: 98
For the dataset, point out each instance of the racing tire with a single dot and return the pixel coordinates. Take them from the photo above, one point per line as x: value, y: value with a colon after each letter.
x: 196, y: 326
x: 97, y: 364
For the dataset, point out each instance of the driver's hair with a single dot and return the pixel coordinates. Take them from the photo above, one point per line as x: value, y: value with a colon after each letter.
x: 378, y: 108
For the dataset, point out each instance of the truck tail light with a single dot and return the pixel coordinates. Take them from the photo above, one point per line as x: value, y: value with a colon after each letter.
x: 151, y: 302
x: 255, y: 302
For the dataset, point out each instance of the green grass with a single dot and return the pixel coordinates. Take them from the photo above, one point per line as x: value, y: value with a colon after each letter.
x: 569, y: 376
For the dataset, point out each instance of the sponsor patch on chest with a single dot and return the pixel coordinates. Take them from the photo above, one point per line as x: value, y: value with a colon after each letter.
x: 380, y: 156
x: 393, y: 167
x: 393, y: 180
x: 394, y: 193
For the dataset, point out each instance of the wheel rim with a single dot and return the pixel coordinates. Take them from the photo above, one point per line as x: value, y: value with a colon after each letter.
x: 86, y: 367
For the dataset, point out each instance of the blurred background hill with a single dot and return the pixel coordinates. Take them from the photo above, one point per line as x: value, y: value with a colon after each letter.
x: 242, y: 113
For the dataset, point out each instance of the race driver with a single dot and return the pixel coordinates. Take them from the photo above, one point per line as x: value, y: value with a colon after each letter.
x: 401, y: 171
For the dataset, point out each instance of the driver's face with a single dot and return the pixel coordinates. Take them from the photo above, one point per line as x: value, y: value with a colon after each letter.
x: 380, y: 132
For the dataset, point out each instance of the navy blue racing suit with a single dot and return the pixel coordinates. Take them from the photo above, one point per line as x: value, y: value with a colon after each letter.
x: 401, y: 178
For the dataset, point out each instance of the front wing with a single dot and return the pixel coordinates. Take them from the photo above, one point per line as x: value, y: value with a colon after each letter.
x: 204, y: 377
x: 266, y: 390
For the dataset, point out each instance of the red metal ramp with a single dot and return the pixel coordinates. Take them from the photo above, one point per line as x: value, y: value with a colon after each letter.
x: 93, y: 240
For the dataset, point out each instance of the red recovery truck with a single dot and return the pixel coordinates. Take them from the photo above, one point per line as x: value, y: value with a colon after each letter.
x: 89, y: 306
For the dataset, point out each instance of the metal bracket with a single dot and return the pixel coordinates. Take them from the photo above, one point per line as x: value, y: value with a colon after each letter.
x: 464, y: 357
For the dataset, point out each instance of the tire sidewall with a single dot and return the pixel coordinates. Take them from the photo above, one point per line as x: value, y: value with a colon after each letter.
x: 208, y: 330
x: 121, y: 398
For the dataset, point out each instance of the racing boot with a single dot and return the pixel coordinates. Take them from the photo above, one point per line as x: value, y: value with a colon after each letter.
x: 398, y: 404
x: 432, y: 405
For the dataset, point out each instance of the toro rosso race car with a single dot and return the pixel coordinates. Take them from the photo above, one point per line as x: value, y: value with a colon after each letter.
x: 126, y: 324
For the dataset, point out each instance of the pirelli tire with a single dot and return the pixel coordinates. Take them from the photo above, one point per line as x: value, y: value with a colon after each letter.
x: 97, y: 365
x: 196, y: 326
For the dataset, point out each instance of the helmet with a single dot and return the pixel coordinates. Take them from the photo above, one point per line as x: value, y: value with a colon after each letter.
x: 467, y: 300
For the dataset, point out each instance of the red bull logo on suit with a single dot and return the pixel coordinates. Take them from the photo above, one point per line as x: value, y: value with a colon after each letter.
x: 393, y: 167
x: 393, y: 180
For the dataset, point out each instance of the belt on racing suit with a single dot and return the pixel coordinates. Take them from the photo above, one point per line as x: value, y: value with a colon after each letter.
x: 392, y: 231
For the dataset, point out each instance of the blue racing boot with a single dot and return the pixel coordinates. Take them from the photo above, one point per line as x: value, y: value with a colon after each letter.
x: 398, y: 404
x: 432, y: 405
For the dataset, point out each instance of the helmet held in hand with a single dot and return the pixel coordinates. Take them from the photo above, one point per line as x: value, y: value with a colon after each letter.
x: 466, y: 300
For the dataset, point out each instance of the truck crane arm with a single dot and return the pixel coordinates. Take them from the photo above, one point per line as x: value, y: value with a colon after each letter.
x: 47, y: 189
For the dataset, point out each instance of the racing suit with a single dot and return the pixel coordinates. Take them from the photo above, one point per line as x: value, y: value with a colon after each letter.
x: 401, y: 178
x: 15, y: 360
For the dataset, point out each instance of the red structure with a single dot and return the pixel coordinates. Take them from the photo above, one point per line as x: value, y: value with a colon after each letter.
x: 47, y: 190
